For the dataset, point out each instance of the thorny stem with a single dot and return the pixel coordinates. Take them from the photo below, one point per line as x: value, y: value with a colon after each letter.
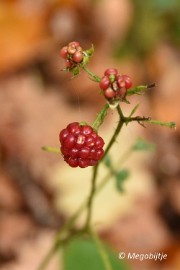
x: 69, y: 225
x: 94, y: 177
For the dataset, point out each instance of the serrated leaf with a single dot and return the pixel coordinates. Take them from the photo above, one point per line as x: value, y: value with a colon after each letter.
x: 143, y: 145
x: 121, y: 176
x: 83, y: 254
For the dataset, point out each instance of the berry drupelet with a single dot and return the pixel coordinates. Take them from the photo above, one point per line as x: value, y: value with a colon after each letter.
x: 80, y: 145
x: 72, y: 53
x: 114, y: 85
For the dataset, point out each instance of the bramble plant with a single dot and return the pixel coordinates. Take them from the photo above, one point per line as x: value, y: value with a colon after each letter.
x: 81, y: 146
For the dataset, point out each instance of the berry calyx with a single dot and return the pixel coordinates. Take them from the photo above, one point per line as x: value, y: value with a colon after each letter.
x: 81, y: 145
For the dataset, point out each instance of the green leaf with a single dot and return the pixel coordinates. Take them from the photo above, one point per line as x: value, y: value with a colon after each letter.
x: 107, y: 161
x: 163, y: 124
x: 90, y: 51
x: 87, y: 55
x: 121, y: 176
x: 143, y: 145
x: 83, y: 254
x: 134, y: 110
x: 75, y: 71
x: 137, y: 90
x: 140, y: 89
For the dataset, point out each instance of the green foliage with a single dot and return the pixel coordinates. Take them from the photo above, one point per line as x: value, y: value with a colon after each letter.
x: 121, y: 176
x: 163, y: 124
x: 143, y: 145
x: 107, y: 161
x: 153, y: 21
x: 83, y: 254
x: 87, y: 54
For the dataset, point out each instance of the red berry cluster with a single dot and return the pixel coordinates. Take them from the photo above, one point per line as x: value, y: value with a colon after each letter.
x: 80, y: 145
x: 72, y: 53
x: 114, y: 85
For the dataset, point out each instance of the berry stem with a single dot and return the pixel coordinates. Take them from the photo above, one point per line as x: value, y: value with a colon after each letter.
x: 116, y: 133
x: 51, y: 149
x: 95, y: 77
x: 100, y: 117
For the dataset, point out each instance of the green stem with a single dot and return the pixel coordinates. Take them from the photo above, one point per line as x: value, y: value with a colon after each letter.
x: 94, y: 76
x: 100, y: 117
x: 91, y: 196
x: 94, y: 177
x: 49, y: 256
x: 116, y: 133
x: 102, y: 251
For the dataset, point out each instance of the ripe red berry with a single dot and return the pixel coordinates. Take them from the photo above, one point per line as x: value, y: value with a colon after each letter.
x: 77, y: 56
x: 64, y: 52
x: 124, y: 81
x: 74, y: 43
x: 109, y: 93
x: 69, y: 64
x: 81, y: 145
x: 104, y: 83
x: 111, y: 71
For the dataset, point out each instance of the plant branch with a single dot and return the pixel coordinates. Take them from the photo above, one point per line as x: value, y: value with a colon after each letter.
x: 95, y: 77
x: 116, y: 133
x: 91, y: 196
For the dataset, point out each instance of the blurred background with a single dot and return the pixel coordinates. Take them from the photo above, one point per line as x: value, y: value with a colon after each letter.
x: 37, y: 190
